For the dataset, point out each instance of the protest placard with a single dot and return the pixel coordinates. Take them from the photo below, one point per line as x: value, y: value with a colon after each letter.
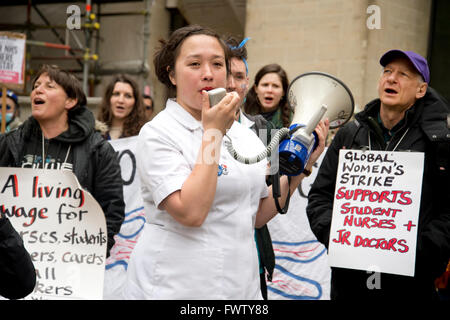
x: 375, y: 211
x: 12, y: 67
x: 12, y: 60
x: 63, y: 229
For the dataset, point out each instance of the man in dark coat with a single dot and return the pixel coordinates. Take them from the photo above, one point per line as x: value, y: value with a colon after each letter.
x: 408, y: 116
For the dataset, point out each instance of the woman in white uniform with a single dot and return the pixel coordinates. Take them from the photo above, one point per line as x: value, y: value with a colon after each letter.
x: 201, y: 204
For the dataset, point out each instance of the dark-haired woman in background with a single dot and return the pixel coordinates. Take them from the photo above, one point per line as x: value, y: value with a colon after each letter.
x: 268, y: 97
x: 122, y: 108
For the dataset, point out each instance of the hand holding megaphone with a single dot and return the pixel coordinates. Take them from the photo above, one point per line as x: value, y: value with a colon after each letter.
x: 218, y: 112
x: 321, y: 132
x: 312, y: 96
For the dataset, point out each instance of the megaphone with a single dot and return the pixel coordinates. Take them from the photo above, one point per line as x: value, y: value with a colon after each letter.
x: 312, y: 96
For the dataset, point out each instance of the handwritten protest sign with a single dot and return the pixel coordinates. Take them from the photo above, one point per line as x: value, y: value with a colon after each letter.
x: 375, y: 211
x: 63, y: 229
x: 12, y: 59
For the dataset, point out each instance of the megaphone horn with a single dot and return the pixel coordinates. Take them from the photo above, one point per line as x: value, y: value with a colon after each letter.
x: 312, y: 96
x: 309, y: 91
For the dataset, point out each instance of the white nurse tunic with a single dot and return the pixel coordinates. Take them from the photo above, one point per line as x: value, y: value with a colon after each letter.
x: 217, y: 260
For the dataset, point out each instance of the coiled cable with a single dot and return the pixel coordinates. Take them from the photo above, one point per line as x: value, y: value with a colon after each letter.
x: 281, y: 134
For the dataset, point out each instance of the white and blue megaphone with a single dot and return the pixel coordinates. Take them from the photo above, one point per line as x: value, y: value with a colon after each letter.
x: 313, y: 96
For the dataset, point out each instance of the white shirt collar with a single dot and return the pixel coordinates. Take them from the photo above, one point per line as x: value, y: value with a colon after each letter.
x: 245, y: 121
x: 187, y: 120
x: 181, y: 115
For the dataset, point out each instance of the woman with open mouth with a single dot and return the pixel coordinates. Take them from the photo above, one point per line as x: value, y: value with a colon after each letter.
x: 268, y: 97
x: 60, y: 135
x: 122, y: 108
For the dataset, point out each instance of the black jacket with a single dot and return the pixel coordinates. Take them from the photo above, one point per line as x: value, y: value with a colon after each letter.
x: 95, y: 162
x: 428, y: 132
x: 17, y: 273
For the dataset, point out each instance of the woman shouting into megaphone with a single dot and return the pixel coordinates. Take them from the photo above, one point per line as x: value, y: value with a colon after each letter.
x: 201, y: 204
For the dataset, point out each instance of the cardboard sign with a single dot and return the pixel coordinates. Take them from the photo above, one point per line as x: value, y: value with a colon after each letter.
x: 12, y: 60
x: 63, y: 229
x: 376, y: 210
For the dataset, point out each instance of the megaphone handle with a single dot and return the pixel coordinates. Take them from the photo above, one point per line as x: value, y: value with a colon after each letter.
x: 277, y: 193
x: 276, y: 185
x: 312, y: 124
